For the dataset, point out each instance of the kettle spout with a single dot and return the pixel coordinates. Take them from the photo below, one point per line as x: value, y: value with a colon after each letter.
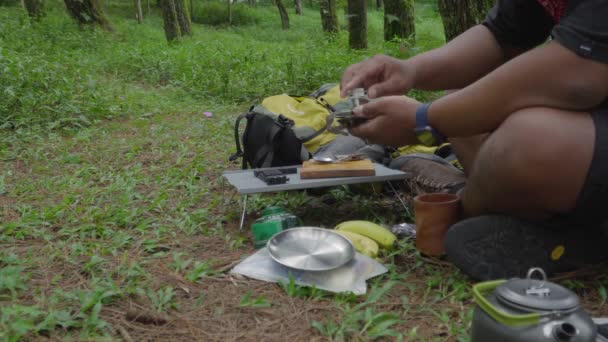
x: 565, y: 331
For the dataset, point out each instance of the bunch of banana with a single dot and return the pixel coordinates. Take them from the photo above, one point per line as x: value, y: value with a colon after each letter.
x: 367, y: 237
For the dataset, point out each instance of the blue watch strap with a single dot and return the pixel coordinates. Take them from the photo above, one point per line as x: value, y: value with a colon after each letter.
x: 422, y: 123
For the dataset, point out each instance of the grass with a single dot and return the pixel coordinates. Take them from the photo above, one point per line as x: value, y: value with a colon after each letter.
x: 111, y: 200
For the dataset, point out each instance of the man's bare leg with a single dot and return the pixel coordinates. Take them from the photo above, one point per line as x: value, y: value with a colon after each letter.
x: 466, y: 149
x: 533, y: 165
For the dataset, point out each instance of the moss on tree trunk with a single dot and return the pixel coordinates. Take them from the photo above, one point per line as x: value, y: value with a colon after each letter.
x: 229, y: 12
x: 329, y: 18
x: 460, y: 15
x: 170, y: 22
x: 399, y: 19
x: 357, y: 24
x: 298, y: 6
x: 88, y: 12
x: 284, y: 15
x: 139, y: 14
x: 183, y: 17
x: 34, y: 8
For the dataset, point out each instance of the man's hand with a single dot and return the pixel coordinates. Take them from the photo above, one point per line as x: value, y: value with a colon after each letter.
x: 381, y: 75
x: 391, y: 121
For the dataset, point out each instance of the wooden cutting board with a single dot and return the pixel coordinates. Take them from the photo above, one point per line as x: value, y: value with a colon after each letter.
x: 356, y: 168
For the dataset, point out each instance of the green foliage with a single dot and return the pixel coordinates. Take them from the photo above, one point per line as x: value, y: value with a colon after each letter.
x: 362, y: 320
x: 58, y: 76
x: 96, y: 212
x: 162, y: 299
x: 293, y: 290
x: 11, y: 280
x: 200, y: 270
x: 247, y: 301
x: 216, y: 14
x: 9, y: 2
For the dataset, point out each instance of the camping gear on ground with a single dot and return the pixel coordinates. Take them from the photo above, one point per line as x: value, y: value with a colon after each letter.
x: 286, y: 130
x: 357, y: 168
x: 434, y: 213
x: 246, y: 183
x: 350, y: 277
x: 602, y: 328
x: 272, y: 221
x: 310, y: 249
x: 404, y: 230
x: 529, y: 309
x: 275, y: 176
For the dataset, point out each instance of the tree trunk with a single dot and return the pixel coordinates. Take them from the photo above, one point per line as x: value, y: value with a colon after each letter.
x: 251, y: 3
x: 399, y: 19
x: 229, y: 12
x: 183, y: 17
x: 379, y: 4
x: 284, y: 15
x: 460, y: 15
x: 88, y: 12
x: 34, y: 9
x: 483, y: 7
x: 191, y: 14
x: 298, y: 6
x: 23, y: 4
x: 139, y: 13
x: 329, y: 18
x: 149, y: 8
x: 170, y: 22
x: 357, y: 24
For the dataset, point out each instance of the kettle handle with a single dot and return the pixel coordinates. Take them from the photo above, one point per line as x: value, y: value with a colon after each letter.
x: 479, y: 290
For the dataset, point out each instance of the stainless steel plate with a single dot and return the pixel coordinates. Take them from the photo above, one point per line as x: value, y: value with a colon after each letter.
x: 310, y: 249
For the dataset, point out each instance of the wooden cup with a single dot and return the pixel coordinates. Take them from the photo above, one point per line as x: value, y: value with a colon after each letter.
x: 434, y: 214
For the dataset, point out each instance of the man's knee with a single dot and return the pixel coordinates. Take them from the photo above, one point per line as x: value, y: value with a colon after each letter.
x: 535, y: 154
x: 521, y: 146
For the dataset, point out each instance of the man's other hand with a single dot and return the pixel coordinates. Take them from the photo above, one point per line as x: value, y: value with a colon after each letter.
x: 390, y: 121
x: 381, y: 75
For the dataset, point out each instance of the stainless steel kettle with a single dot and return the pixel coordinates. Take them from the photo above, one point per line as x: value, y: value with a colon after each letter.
x: 529, y: 310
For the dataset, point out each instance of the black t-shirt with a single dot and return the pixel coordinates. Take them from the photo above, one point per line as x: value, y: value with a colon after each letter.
x: 525, y: 24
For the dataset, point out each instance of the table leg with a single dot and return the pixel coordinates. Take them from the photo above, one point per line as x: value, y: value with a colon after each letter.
x: 407, y: 210
x: 244, y: 212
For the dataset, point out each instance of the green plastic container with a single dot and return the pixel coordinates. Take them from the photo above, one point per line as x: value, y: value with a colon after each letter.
x: 272, y: 221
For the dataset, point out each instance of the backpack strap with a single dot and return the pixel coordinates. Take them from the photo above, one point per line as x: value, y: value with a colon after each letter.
x: 239, y: 152
x: 328, y: 122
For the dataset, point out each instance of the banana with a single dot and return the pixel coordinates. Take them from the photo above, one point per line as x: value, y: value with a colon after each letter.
x: 362, y: 244
x: 381, y: 235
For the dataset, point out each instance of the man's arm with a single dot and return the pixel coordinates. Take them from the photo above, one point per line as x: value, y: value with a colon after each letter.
x: 549, y: 76
x: 461, y: 62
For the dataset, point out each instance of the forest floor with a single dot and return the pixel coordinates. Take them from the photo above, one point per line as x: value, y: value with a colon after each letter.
x: 127, y: 230
x: 121, y: 226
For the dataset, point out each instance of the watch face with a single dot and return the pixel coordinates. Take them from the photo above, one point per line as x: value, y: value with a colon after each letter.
x: 426, y: 138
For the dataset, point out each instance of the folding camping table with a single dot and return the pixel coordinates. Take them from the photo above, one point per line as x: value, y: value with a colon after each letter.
x: 246, y: 183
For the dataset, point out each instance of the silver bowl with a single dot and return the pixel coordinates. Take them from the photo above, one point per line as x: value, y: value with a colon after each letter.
x: 310, y: 249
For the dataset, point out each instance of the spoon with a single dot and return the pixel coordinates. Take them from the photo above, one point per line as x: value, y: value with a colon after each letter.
x: 324, y: 159
x: 337, y: 159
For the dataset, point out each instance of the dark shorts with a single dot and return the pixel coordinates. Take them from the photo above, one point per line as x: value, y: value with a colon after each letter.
x: 592, y: 206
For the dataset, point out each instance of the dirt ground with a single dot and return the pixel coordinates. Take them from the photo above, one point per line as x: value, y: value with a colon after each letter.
x: 429, y: 297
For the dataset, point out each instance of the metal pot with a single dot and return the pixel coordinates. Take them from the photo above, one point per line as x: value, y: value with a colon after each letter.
x: 529, y: 310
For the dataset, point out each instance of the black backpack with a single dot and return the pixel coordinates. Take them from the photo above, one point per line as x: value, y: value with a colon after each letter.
x: 268, y: 141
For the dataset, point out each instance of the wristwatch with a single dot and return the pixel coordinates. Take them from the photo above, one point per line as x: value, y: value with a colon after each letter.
x: 427, y: 135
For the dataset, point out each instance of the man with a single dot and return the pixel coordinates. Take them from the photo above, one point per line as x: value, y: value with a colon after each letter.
x: 528, y: 124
